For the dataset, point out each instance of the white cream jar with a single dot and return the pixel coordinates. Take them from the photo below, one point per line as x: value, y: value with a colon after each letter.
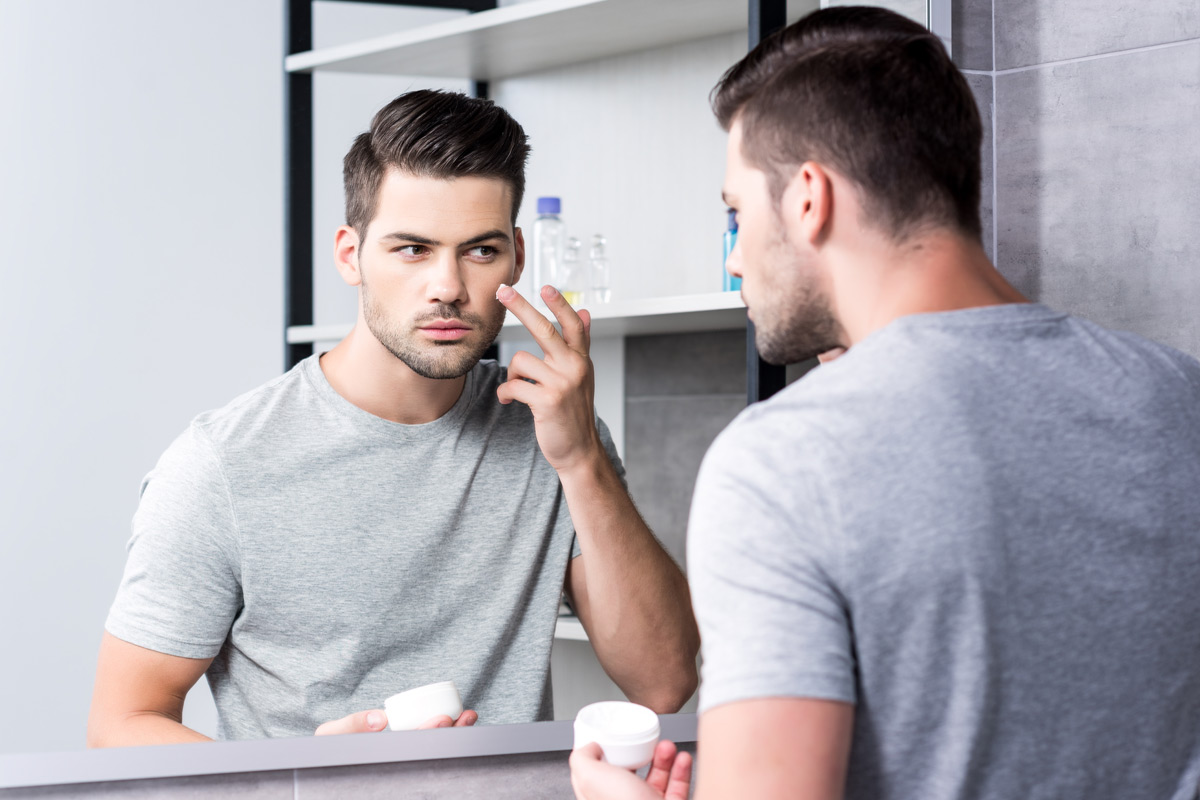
x: 626, y: 732
x: 408, y: 710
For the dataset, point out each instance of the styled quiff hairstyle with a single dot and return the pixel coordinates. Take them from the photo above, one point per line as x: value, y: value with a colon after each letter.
x: 873, y: 96
x: 433, y: 134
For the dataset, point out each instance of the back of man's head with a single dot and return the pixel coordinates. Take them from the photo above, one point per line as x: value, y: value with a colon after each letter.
x: 433, y: 134
x: 873, y: 96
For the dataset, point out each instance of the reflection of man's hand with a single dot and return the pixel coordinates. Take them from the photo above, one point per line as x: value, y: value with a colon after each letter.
x: 559, y: 389
x: 593, y: 779
x: 376, y: 720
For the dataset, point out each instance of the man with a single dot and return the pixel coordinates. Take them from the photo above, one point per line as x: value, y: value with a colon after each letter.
x: 960, y: 560
x: 385, y: 515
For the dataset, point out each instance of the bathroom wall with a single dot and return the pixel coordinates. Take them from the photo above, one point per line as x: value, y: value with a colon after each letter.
x: 1095, y: 118
x: 141, y: 220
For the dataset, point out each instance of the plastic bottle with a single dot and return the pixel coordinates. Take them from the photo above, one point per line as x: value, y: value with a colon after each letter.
x: 730, y: 283
x: 598, y: 271
x: 574, y: 280
x: 549, y: 234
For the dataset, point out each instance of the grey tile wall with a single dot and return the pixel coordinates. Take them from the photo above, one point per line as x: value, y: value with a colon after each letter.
x: 1038, y: 31
x: 971, y: 33
x: 710, y: 362
x: 253, y: 786
x: 680, y: 392
x: 981, y: 87
x: 1097, y: 191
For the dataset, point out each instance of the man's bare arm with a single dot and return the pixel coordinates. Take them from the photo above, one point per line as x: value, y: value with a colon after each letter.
x: 138, y: 696
x: 774, y: 747
x: 631, y: 597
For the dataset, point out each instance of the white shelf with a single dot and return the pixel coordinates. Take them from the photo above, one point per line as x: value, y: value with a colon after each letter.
x: 653, y: 315
x: 570, y: 628
x: 528, y: 37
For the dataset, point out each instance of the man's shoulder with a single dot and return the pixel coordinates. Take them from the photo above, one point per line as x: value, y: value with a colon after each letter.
x: 256, y: 411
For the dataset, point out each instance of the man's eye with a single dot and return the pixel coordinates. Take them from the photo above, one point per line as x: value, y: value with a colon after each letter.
x: 411, y: 250
x: 483, y: 251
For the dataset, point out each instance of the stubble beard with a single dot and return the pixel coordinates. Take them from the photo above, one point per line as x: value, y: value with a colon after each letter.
x: 796, y: 321
x: 431, y: 359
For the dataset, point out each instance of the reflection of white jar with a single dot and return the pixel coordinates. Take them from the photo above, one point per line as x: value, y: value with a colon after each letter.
x: 408, y: 710
x: 626, y: 732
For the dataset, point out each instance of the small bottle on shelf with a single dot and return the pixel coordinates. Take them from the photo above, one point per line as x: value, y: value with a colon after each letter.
x: 549, y: 234
x: 574, y: 274
x: 730, y: 283
x: 598, y: 271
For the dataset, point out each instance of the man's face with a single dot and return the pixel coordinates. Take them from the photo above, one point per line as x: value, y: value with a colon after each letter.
x: 431, y: 262
x: 782, y: 283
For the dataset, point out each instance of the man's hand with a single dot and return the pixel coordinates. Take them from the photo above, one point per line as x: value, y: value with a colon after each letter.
x: 669, y: 777
x: 376, y: 720
x: 562, y: 391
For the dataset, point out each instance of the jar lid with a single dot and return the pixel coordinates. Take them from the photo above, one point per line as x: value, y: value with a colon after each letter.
x: 619, y: 722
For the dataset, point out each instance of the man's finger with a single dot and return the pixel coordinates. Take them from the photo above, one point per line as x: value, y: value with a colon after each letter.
x: 586, y: 317
x: 586, y: 752
x: 681, y: 778
x: 519, y: 390
x: 465, y: 719
x: 527, y: 365
x: 539, y: 327
x: 362, y: 722
x: 660, y: 767
x: 440, y: 721
x: 574, y: 331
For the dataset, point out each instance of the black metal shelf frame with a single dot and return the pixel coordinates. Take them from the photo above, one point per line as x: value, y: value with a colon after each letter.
x: 765, y: 17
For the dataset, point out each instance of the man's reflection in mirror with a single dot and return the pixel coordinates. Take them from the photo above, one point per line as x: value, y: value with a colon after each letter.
x: 396, y: 511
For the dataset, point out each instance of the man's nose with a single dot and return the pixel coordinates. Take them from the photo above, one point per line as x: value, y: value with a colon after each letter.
x: 446, y: 284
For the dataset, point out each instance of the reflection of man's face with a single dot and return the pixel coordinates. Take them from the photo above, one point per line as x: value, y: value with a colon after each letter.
x: 782, y: 285
x: 431, y: 262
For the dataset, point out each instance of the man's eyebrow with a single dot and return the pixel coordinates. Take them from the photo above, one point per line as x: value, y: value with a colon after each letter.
x: 401, y: 236
x: 486, y: 237
x: 410, y: 237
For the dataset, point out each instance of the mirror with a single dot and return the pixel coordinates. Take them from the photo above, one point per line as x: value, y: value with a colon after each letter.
x: 145, y: 226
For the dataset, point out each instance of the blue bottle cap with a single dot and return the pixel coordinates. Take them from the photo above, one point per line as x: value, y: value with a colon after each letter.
x: 733, y: 220
x: 549, y: 205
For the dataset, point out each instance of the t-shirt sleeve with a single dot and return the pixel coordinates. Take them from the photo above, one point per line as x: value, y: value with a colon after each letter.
x: 761, y: 550
x: 182, y: 585
x: 610, y: 447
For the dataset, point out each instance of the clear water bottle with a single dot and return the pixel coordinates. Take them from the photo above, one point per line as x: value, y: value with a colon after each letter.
x: 598, y: 271
x: 549, y: 235
x: 574, y: 280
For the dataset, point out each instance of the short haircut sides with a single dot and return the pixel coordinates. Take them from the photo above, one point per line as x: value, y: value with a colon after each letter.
x: 873, y: 96
x: 433, y: 134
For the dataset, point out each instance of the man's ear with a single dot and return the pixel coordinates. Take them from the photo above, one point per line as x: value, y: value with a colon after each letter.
x: 346, y: 254
x: 518, y: 256
x: 807, y: 204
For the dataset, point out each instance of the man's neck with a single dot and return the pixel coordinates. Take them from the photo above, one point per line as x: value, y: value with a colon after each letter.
x: 939, y: 271
x: 364, y: 372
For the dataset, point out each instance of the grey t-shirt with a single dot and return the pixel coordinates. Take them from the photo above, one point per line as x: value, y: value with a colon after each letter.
x: 982, y: 528
x: 329, y: 558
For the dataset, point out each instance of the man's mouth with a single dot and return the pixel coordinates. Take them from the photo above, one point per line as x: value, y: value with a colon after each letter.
x: 444, y: 330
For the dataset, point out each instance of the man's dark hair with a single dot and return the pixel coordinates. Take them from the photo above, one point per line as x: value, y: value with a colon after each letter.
x: 436, y: 135
x: 873, y: 96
